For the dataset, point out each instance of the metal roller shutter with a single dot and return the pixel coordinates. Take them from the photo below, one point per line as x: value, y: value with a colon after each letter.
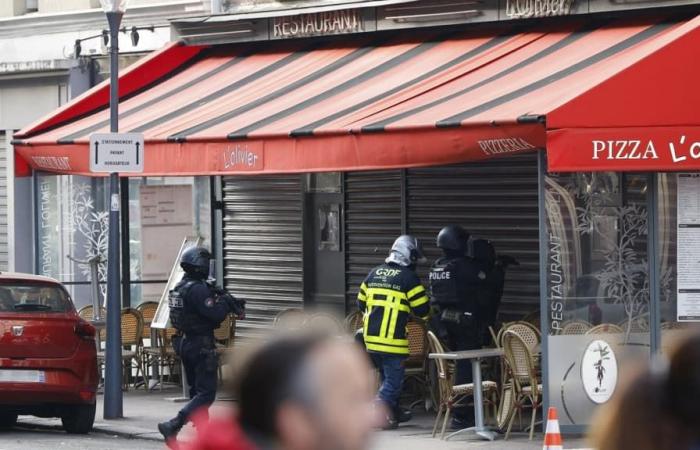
x: 372, y: 222
x: 496, y: 200
x: 262, y: 246
x: 4, y: 249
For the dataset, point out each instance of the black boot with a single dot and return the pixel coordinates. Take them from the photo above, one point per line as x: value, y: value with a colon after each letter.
x: 403, y: 415
x: 171, y: 428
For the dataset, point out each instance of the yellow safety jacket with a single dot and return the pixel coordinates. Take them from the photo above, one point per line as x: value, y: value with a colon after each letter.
x: 387, y: 297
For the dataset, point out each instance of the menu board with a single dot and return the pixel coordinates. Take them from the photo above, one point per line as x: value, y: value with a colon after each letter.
x: 688, y: 248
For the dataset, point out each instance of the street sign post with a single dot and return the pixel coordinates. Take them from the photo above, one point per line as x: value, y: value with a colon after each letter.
x: 116, y: 152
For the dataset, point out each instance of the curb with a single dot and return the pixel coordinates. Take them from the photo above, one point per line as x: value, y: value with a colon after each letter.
x: 141, y: 435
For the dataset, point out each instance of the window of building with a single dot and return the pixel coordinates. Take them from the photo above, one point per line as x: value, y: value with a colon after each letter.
x: 72, y: 226
x: 597, y: 285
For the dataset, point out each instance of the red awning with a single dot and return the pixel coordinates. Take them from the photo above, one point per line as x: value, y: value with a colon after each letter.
x: 382, y: 101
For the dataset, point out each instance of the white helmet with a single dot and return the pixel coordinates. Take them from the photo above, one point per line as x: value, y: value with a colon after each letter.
x: 406, y: 251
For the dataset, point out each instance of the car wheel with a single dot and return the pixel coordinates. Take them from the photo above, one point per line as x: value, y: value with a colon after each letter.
x: 79, y: 419
x: 7, y: 420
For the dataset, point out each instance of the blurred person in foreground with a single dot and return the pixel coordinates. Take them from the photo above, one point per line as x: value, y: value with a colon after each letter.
x: 303, y: 392
x: 659, y: 409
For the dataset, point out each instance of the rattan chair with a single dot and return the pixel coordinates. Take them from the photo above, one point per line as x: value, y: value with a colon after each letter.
x: 325, y: 323
x: 162, y: 354
x: 416, y: 367
x: 527, y: 391
x: 132, y: 334
x: 354, y: 322
x: 575, y: 327
x: 85, y: 313
x: 290, y: 319
x: 452, y: 396
x: 527, y: 332
x: 606, y: 328
x: 148, y: 312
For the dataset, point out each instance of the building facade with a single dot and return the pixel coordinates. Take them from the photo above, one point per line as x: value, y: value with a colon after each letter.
x: 598, y: 245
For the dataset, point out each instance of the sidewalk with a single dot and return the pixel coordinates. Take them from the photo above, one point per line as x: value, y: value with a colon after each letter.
x: 143, y: 410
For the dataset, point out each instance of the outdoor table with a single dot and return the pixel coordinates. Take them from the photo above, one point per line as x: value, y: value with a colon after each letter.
x: 475, y: 356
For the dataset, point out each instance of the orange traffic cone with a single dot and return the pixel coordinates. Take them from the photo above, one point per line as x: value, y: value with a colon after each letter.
x: 552, y: 437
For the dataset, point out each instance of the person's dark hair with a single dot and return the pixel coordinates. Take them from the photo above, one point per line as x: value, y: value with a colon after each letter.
x: 658, y: 409
x: 274, y: 375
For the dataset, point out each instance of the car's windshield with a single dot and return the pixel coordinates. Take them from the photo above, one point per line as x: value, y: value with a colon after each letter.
x: 33, y: 297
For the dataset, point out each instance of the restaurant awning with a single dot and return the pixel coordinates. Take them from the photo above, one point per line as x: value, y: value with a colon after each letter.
x: 380, y: 101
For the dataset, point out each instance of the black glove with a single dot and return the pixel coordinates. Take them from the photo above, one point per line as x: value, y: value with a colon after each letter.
x: 235, y: 305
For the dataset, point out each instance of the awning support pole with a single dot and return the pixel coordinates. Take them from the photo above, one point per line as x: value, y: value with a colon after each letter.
x: 113, y: 403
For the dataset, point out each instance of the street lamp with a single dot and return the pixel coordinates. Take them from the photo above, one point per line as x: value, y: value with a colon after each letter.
x: 113, y: 401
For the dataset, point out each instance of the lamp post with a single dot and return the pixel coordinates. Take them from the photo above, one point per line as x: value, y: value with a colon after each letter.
x: 113, y: 402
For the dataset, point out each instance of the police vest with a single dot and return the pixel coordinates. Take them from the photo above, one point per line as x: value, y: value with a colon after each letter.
x: 182, y: 316
x: 453, y: 285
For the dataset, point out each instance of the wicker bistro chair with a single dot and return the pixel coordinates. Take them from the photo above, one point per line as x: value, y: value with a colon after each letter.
x: 290, y: 319
x: 325, y: 323
x: 451, y: 395
x: 575, y: 327
x: 526, y: 389
x: 132, y: 334
x: 148, y: 312
x: 85, y: 313
x: 606, y: 328
x: 416, y: 365
x: 354, y: 322
x: 527, y: 332
x: 162, y: 354
x: 224, y: 336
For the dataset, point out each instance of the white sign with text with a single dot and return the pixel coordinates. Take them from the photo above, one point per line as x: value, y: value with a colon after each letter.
x: 116, y: 152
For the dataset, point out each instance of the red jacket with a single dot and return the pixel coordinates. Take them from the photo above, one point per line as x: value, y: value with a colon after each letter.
x: 215, y: 433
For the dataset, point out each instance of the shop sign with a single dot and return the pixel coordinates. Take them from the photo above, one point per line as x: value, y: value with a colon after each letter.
x: 51, y: 163
x: 599, y: 371
x: 525, y: 9
x: 324, y: 23
x: 242, y: 158
x: 493, y: 147
x: 556, y: 286
x: 628, y: 149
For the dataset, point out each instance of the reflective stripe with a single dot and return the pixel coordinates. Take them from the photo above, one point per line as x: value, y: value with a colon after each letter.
x: 387, y: 349
x: 389, y: 305
x: 387, y: 292
x: 394, y: 317
x: 421, y: 301
x: 415, y: 292
x: 386, y: 341
x: 385, y: 318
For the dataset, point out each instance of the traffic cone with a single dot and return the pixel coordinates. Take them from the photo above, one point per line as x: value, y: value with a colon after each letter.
x: 552, y: 437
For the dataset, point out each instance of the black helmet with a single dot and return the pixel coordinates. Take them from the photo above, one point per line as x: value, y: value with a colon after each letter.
x: 196, y: 260
x: 453, y: 238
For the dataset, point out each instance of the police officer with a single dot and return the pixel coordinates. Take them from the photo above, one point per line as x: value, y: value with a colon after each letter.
x: 389, y: 294
x: 454, y: 287
x: 196, y: 309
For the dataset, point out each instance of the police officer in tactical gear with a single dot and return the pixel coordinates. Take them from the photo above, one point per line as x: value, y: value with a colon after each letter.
x: 389, y: 294
x: 455, y: 280
x: 197, y: 308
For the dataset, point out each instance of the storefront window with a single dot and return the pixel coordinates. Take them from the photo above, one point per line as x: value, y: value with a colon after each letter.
x: 597, y: 286
x: 72, y: 225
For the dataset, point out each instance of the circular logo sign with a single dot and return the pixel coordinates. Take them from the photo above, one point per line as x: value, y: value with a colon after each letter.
x: 599, y: 371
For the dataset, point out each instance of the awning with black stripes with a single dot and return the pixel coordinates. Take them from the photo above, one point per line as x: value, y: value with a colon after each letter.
x: 381, y: 101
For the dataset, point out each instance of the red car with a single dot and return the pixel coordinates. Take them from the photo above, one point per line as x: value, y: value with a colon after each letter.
x: 48, y: 361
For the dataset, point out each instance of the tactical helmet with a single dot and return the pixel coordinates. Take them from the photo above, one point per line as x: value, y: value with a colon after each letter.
x: 196, y: 260
x: 406, y: 251
x: 453, y: 238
